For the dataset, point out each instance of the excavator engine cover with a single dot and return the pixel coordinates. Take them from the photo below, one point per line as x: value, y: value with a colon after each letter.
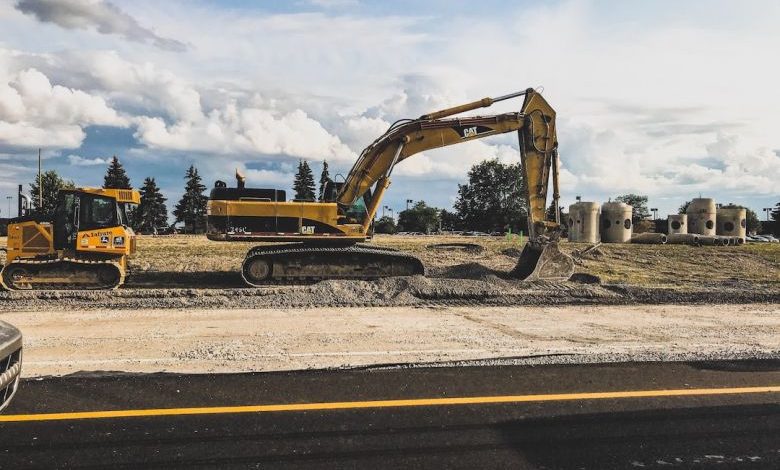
x: 543, y: 261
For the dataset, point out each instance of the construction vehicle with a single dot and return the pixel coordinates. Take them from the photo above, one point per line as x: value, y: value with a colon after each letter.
x: 325, y: 238
x: 83, y: 245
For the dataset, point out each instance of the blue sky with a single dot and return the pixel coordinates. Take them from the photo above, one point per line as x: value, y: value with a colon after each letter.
x: 668, y: 99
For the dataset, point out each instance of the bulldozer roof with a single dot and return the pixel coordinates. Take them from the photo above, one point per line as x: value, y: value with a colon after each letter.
x: 121, y: 195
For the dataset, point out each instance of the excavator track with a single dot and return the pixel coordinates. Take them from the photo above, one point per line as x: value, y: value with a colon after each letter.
x: 61, y: 274
x: 296, y: 263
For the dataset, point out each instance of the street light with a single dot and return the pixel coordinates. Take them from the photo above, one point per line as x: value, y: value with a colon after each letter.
x: 408, y: 201
x: 655, y: 213
x: 767, y: 210
x: 9, y: 205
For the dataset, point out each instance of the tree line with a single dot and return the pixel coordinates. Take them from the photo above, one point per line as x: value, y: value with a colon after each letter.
x: 492, y: 200
x: 152, y: 212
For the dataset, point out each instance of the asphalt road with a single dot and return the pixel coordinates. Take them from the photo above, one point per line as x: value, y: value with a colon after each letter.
x: 622, y: 429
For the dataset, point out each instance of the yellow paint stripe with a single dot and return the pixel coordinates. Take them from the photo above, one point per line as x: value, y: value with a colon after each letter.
x: 349, y: 405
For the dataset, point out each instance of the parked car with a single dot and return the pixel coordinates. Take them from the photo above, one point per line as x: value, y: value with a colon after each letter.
x: 10, y: 362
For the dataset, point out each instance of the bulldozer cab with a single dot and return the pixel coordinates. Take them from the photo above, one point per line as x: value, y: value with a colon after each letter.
x: 77, y: 211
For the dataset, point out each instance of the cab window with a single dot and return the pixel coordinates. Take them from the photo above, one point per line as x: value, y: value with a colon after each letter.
x: 98, y: 212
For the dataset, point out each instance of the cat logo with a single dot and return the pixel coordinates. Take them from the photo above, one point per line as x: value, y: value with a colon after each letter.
x: 469, y: 132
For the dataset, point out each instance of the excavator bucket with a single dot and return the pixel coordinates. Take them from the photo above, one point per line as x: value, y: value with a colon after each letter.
x: 543, y: 261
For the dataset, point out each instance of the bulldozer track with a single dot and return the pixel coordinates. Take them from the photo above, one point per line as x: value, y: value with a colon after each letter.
x: 299, y: 263
x: 48, y: 267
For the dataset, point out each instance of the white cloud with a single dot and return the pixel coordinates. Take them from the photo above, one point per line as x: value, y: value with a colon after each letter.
x: 100, y: 15
x: 35, y: 113
x: 233, y: 130
x: 81, y: 161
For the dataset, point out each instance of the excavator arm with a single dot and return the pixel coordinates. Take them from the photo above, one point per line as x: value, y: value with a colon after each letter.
x: 535, y: 125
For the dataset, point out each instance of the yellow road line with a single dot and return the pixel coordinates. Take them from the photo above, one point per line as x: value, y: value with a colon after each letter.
x: 349, y: 405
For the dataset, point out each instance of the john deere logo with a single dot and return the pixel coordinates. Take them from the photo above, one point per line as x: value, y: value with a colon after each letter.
x: 104, y: 240
x: 119, y: 241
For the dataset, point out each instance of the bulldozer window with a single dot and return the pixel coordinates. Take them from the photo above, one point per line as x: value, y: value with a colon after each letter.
x: 97, y: 212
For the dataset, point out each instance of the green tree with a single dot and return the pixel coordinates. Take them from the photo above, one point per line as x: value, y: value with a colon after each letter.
x: 324, y: 179
x: 449, y: 220
x: 638, y: 204
x: 151, y: 213
x: 385, y: 224
x: 191, y: 209
x: 116, y: 176
x: 684, y: 207
x: 775, y: 214
x: 493, y: 199
x: 51, y: 183
x: 752, y: 220
x: 420, y: 218
x: 304, y: 182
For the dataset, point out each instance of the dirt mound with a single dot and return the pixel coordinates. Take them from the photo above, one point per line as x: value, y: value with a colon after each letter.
x: 469, y: 271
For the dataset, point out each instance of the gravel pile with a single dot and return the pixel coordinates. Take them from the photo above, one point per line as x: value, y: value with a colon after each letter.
x: 464, y: 284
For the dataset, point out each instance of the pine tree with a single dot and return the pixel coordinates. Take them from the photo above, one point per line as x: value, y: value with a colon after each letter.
x: 151, y: 213
x: 116, y: 176
x: 191, y: 209
x: 52, y: 183
x: 304, y: 182
x: 324, y: 179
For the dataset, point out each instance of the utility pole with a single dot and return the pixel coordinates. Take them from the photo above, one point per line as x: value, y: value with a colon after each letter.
x: 9, y: 205
x: 768, y: 210
x: 408, y: 201
x: 40, y: 184
x: 655, y: 213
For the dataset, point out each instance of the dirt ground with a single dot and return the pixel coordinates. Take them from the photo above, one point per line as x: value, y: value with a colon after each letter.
x: 60, y: 342
x: 192, y: 272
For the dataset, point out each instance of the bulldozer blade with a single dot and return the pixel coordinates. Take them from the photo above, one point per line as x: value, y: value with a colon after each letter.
x: 543, y: 261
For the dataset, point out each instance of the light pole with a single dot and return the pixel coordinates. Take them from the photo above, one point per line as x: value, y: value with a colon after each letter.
x: 767, y: 210
x: 655, y: 213
x: 408, y: 201
x: 9, y: 205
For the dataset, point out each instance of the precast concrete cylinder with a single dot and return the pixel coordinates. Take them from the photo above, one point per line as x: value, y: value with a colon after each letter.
x: 732, y: 222
x: 677, y: 223
x: 584, y: 222
x: 616, y: 226
x: 701, y: 217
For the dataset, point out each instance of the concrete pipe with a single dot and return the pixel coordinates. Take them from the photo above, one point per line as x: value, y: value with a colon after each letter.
x: 710, y: 241
x: 649, y: 238
x: 683, y: 239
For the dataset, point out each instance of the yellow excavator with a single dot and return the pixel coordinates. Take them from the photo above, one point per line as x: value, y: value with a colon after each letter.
x: 325, y: 238
x: 83, y: 245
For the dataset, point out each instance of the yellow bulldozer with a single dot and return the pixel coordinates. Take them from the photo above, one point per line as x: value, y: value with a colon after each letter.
x: 83, y: 245
x: 325, y: 238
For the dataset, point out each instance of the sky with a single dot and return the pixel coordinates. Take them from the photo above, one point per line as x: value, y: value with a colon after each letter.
x: 672, y: 99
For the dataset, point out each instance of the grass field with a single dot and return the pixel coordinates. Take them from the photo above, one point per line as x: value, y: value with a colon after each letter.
x: 656, y: 265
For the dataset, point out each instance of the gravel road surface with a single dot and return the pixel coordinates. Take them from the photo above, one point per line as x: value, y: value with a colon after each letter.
x: 59, y: 342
